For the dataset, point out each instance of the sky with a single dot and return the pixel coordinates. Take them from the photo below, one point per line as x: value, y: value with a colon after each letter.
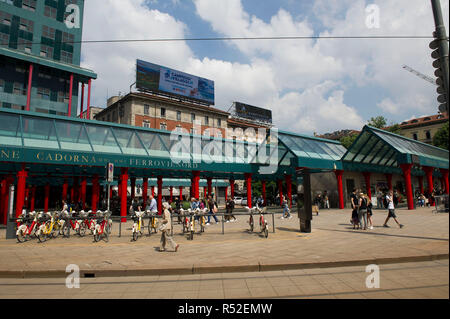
x: 311, y: 86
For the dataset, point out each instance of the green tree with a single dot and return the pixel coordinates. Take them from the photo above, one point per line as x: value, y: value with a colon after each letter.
x: 378, y: 122
x: 348, y: 140
x: 440, y: 139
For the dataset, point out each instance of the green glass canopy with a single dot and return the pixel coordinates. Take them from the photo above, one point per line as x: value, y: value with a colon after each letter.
x: 382, y: 151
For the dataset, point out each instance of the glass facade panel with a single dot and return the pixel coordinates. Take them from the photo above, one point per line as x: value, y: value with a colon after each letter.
x: 129, y: 142
x: 357, y: 146
x: 72, y: 136
x: 102, y: 139
x: 10, y: 133
x: 39, y: 133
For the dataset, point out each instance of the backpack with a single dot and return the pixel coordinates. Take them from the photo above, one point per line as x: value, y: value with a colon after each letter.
x: 385, y: 202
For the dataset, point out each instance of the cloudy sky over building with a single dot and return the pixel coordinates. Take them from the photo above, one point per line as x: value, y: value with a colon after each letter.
x: 310, y: 85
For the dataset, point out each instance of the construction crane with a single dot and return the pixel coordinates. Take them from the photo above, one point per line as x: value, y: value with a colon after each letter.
x: 420, y: 75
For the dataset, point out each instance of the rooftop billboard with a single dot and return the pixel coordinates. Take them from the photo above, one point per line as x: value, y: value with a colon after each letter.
x: 157, y: 78
x: 252, y: 112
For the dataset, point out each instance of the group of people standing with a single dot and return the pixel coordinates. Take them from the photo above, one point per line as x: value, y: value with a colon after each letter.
x: 362, y: 210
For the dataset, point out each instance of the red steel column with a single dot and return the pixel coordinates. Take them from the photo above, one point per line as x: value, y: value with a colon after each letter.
x: 83, y: 192
x: 264, y: 192
x: 144, y: 190
x: 133, y: 187
x: 21, y: 183
x: 153, y: 191
x: 444, y: 173
x: 209, y: 181
x: 389, y: 181
x: 64, y: 190
x: 367, y: 178
x: 2, y: 197
x: 248, y: 182
x: 46, y: 196
x: 171, y: 193
x: 95, y: 189
x: 205, y: 192
x: 406, y: 168
x: 123, y: 193
x: 280, y: 189
x: 181, y: 193
x: 196, y: 190
x: 27, y: 197
x: 226, y: 193
x: 339, y: 174
x: 429, y: 173
x: 289, y: 189
x: 33, y: 196
x: 160, y: 184
x: 82, y: 100
x: 5, y: 197
x: 421, y: 184
x: 69, y: 113
x: 88, y: 108
x: 232, y: 188
x: 30, y: 83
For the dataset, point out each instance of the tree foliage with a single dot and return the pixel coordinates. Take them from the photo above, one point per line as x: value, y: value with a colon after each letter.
x: 348, y: 140
x: 378, y: 122
x: 440, y: 139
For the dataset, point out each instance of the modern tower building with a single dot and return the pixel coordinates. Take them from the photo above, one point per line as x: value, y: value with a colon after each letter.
x: 40, y: 53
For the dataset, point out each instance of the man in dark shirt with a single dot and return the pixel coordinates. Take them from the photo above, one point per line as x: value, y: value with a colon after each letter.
x: 355, y: 203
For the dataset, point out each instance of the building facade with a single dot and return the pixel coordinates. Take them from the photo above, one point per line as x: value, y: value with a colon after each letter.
x: 40, y: 53
x: 424, y: 128
x: 152, y: 111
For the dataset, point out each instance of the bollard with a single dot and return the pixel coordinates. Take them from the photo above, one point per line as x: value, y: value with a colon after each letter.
x: 223, y: 226
x: 120, y: 228
x: 273, y: 222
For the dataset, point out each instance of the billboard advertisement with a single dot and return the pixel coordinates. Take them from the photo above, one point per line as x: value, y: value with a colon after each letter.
x: 157, y: 78
x: 252, y: 112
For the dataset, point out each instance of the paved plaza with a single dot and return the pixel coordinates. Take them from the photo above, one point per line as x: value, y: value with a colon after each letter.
x: 332, y: 242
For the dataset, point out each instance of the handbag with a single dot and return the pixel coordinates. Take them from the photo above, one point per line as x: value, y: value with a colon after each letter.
x: 215, y: 209
x: 162, y: 226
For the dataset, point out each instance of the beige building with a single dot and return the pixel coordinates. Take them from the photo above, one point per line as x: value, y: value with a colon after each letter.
x: 424, y: 128
x: 93, y: 111
x: 152, y: 111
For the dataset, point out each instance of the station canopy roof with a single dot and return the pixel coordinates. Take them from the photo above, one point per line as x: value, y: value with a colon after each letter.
x: 55, y: 147
x: 383, y: 151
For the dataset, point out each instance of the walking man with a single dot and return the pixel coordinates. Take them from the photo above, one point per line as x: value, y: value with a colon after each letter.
x: 391, y: 210
x: 165, y: 228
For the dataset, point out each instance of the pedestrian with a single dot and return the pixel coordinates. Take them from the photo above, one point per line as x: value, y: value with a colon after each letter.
x: 212, y: 206
x: 354, y: 202
x: 153, y: 207
x: 362, y: 211
x: 379, y: 198
x: 286, y: 212
x: 228, y: 210
x: 165, y: 228
x: 326, y: 201
x: 178, y: 209
x: 391, y: 210
x: 317, y: 203
x: 369, y: 212
x: 232, y: 203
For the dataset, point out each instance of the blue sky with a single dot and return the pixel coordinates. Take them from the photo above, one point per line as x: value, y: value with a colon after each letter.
x: 311, y: 86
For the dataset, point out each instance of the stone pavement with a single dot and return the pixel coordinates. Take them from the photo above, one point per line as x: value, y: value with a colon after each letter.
x: 331, y: 243
x: 421, y: 280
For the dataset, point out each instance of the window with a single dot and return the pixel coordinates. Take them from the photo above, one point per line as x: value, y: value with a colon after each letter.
x: 19, y: 89
x: 50, y: 12
x: 8, y: 1
x: 163, y: 112
x: 63, y: 97
x: 146, y: 124
x: 415, y: 136
x: 46, y: 51
x: 4, y: 39
x: 67, y: 37
x: 206, y: 120
x: 192, y: 117
x: 2, y: 85
x: 428, y: 135
x: 26, y: 25
x: 178, y: 115
x: 29, y: 5
x: 219, y: 122
x: 178, y: 128
x: 5, y: 18
x: 146, y: 109
x: 24, y: 45
x: 163, y: 126
x: 43, y: 93
x: 66, y: 57
x: 48, y: 32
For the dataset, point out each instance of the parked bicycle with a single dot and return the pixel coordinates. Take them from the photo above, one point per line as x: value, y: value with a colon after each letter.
x: 27, y: 225
x: 152, y: 223
x: 264, y: 229
x: 88, y: 222
x: 137, y: 225
x: 49, y: 228
x: 71, y: 221
x: 102, y: 228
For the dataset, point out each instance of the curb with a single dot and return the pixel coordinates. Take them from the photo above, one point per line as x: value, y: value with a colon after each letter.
x: 53, y: 273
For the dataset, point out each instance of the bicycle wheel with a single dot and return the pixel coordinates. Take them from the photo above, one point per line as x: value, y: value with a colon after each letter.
x: 266, y: 231
x: 21, y: 236
x: 106, y: 234
x: 96, y: 237
x: 66, y: 231
x: 191, y: 235
x: 110, y: 224
x: 135, y: 235
x: 251, y: 224
x: 82, y: 230
x: 42, y: 236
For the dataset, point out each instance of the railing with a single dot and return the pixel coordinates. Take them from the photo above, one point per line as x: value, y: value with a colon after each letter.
x: 441, y: 204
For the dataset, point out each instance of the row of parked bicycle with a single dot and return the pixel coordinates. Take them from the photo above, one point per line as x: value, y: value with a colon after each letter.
x: 45, y: 226
x: 53, y: 224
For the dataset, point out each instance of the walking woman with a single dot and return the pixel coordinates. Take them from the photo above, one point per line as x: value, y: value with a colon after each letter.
x: 362, y: 211
x: 165, y: 228
x: 369, y: 212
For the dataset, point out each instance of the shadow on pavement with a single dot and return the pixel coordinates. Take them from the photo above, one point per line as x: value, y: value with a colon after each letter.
x: 368, y: 232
